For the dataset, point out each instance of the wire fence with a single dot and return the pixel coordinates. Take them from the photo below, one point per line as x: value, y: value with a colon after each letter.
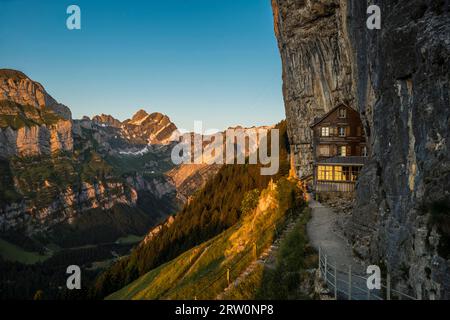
x: 345, y: 283
x: 224, y: 279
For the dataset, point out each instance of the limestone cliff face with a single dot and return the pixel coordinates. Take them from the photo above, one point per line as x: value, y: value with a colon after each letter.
x: 36, y: 140
x: 33, y: 217
x: 31, y: 121
x: 316, y: 67
x: 398, y: 79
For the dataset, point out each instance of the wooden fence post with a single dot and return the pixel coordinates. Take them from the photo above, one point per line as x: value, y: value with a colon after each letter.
x: 228, y: 276
x: 350, y: 282
x: 255, y: 251
x: 320, y: 263
x: 388, y: 287
x: 335, y: 280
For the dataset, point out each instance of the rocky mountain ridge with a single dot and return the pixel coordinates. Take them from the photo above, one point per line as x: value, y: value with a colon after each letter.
x: 142, y: 128
x: 56, y: 170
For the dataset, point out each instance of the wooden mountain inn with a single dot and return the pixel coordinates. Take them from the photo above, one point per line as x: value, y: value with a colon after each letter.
x: 339, y: 148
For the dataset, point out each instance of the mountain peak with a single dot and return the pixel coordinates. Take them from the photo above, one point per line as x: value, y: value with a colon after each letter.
x: 139, y: 116
x: 12, y: 74
x: 17, y: 87
x: 106, y: 119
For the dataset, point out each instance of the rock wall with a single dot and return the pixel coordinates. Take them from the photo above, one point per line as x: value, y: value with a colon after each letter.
x: 398, y: 80
x: 36, y: 140
x: 402, y: 90
x: 316, y: 68
x: 33, y: 123
x: 31, y: 217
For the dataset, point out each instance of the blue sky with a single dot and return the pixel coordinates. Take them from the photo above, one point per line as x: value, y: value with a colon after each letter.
x: 210, y: 60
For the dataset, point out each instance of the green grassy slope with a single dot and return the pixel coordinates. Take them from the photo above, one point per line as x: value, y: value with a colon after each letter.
x: 201, y: 272
x: 12, y: 252
x: 282, y: 279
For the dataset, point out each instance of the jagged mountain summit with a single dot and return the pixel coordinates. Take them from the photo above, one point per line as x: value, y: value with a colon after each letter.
x: 15, y: 86
x: 143, y: 128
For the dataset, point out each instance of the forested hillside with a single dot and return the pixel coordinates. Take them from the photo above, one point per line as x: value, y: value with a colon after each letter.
x: 214, y: 209
x: 204, y: 271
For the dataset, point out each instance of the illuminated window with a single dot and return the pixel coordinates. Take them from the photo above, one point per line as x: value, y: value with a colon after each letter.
x: 325, y: 131
x: 325, y: 173
x: 342, y: 113
x: 338, y: 174
x: 343, y: 151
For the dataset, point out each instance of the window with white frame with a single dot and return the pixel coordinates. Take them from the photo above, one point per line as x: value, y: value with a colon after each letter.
x: 325, y: 132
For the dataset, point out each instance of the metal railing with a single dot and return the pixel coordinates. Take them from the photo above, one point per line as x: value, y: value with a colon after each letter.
x: 345, y: 283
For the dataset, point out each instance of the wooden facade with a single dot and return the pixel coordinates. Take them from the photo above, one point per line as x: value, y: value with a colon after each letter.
x: 339, y: 149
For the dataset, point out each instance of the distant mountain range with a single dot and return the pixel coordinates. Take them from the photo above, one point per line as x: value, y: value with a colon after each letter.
x: 56, y: 170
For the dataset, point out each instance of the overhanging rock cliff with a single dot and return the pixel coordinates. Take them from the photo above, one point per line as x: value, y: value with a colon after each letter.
x: 398, y: 80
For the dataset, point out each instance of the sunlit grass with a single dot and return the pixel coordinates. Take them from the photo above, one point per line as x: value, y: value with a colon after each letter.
x: 201, y: 273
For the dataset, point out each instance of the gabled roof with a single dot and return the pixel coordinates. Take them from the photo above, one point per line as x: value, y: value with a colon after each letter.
x: 320, y: 119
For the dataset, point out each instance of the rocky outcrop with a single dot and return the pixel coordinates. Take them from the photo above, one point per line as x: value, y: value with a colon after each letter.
x: 31, y: 121
x: 158, y: 186
x: 156, y: 230
x: 188, y: 178
x: 17, y: 87
x: 107, y: 120
x: 36, y: 140
x: 33, y: 217
x: 398, y: 80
